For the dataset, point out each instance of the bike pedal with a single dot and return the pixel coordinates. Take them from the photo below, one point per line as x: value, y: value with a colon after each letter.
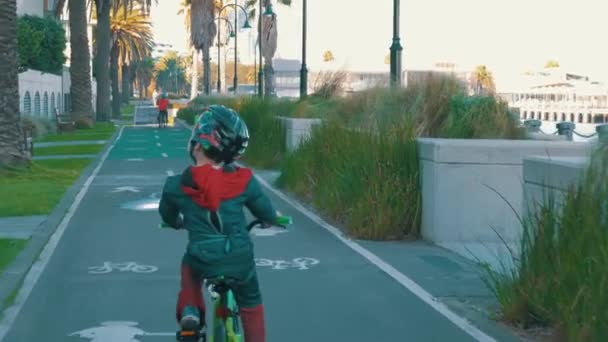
x: 188, y: 336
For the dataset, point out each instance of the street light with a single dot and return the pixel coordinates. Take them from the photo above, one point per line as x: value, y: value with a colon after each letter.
x: 269, y: 13
x: 396, y: 48
x: 219, y: 81
x: 246, y: 25
x: 304, y: 70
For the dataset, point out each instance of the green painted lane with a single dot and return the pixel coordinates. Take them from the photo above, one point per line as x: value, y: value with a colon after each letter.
x: 116, y: 273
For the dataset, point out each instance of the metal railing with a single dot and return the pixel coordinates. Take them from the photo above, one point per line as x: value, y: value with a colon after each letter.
x: 567, y: 130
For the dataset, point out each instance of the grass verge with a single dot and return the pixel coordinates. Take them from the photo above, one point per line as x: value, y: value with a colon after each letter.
x: 76, y: 149
x: 9, y: 248
x: 37, y: 189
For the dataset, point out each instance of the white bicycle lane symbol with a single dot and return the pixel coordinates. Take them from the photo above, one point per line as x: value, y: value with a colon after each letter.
x: 301, y: 264
x: 130, y: 266
x: 115, y: 331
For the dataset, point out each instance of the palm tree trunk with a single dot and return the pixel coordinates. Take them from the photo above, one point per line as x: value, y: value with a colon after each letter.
x: 114, y: 79
x: 103, y: 59
x: 194, y: 74
x: 206, y: 70
x: 12, y: 151
x: 126, y: 81
x: 80, y: 68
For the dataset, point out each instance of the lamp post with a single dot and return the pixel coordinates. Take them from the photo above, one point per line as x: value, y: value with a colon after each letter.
x: 304, y: 70
x: 219, y: 81
x: 268, y: 12
x: 396, y: 48
x: 246, y: 25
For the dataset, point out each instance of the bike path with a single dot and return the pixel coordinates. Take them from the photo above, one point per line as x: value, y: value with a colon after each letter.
x: 315, y: 288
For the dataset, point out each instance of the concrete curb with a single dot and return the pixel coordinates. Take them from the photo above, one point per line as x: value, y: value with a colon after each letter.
x: 11, y: 278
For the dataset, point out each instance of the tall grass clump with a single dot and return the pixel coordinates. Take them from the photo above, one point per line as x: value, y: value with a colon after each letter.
x: 561, y: 278
x: 361, y: 165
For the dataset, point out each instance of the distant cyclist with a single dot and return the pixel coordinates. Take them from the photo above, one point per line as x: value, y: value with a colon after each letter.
x: 163, y: 105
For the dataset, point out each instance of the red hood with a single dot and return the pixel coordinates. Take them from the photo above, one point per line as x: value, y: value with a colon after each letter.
x: 208, y: 187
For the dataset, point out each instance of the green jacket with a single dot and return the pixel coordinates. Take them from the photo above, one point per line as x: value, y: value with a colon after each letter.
x: 212, y: 202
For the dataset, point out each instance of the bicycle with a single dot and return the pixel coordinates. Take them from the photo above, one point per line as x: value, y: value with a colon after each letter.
x: 163, y: 119
x: 226, y: 321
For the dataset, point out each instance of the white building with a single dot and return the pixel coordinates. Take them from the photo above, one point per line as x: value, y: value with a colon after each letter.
x: 41, y: 93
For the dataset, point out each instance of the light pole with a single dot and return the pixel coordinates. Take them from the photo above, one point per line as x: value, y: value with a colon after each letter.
x: 268, y: 12
x: 304, y: 70
x: 396, y: 48
x: 219, y: 36
x: 246, y: 25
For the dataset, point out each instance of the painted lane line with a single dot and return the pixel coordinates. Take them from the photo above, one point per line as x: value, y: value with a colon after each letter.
x: 158, y: 144
x: 156, y: 137
x: 33, y: 275
x: 170, y: 173
x: 401, y: 278
x: 165, y: 155
x: 135, y: 159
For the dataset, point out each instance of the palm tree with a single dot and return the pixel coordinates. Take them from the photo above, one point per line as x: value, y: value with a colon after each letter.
x: 170, y: 72
x: 144, y: 72
x: 269, y: 43
x: 12, y: 152
x: 185, y: 8
x: 104, y: 45
x: 483, y: 80
x: 202, y: 34
x: 80, y: 59
x: 131, y: 42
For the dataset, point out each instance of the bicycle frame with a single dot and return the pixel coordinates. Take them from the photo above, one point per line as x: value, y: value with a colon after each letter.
x: 225, y: 318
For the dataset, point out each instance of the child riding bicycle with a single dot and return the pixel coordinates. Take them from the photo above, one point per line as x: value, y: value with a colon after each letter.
x: 211, y: 196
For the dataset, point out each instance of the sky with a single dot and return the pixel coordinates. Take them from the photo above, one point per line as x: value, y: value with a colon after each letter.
x: 509, y: 36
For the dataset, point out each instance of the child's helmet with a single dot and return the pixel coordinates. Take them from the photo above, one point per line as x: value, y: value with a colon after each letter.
x: 222, y: 134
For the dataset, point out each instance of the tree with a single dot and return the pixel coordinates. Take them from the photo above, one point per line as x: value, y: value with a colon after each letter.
x: 269, y: 40
x: 144, y: 72
x: 41, y: 42
x: 12, y: 152
x: 104, y: 45
x: 328, y: 56
x: 202, y: 33
x: 131, y: 42
x: 186, y: 10
x: 552, y: 63
x: 170, y: 72
x: 80, y: 59
x: 483, y: 80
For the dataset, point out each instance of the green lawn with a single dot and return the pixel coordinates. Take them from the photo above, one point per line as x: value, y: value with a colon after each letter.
x: 9, y: 249
x: 38, y: 189
x: 101, y: 131
x: 78, y: 149
x: 128, y: 109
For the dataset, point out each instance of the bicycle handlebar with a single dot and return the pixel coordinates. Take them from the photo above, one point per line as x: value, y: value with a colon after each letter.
x: 282, y: 221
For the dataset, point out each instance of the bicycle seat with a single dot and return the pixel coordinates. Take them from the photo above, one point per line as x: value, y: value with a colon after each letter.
x: 221, y: 284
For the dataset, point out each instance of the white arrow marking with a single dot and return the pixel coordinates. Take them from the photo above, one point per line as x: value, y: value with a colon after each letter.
x: 126, y: 188
x: 116, y: 331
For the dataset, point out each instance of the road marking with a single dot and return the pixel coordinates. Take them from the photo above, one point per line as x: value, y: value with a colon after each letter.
x: 156, y: 137
x: 135, y: 149
x: 30, y: 280
x: 116, y: 331
x: 131, y: 266
x: 165, y: 155
x: 401, y: 278
x: 135, y: 159
x: 301, y: 264
x: 158, y: 144
x: 126, y: 189
x: 170, y: 173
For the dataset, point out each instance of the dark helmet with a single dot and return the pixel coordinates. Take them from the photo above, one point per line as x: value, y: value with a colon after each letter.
x: 222, y: 134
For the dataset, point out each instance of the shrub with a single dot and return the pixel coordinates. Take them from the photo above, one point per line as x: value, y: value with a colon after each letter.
x: 561, y: 276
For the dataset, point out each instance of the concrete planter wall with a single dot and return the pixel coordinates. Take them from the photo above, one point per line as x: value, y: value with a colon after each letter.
x: 547, y: 178
x: 297, y: 131
x: 460, y: 211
